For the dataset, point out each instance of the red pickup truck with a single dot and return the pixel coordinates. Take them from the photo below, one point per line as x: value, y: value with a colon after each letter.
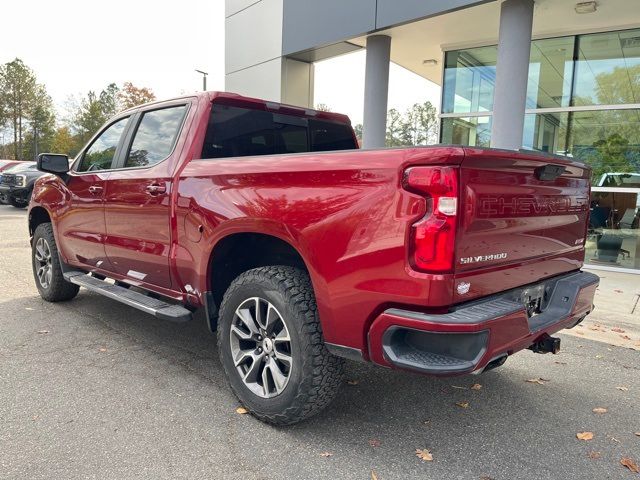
x: 304, y: 250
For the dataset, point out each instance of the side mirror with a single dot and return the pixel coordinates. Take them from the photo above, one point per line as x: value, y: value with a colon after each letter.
x: 55, y: 163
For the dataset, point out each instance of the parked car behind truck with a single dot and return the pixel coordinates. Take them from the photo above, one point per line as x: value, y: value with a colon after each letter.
x: 16, y: 183
x: 304, y: 250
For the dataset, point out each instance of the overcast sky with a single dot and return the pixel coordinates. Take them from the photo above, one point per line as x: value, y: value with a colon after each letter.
x: 75, y: 46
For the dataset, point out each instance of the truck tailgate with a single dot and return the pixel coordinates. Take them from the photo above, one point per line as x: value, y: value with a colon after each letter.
x: 523, y: 217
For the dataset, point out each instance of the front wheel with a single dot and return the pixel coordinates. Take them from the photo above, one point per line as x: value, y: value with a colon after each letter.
x: 18, y: 202
x: 271, y: 346
x: 47, y: 271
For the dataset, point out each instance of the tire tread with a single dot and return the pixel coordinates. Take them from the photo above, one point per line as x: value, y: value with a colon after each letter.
x: 319, y: 388
x: 59, y: 290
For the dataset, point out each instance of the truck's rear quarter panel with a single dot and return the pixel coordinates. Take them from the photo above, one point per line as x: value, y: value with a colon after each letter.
x: 349, y: 217
x: 345, y: 212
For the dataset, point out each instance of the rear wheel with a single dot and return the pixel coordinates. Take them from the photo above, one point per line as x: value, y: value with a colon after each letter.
x: 47, y: 271
x: 271, y: 346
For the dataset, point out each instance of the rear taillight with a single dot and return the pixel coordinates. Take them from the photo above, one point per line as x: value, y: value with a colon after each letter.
x: 432, y: 239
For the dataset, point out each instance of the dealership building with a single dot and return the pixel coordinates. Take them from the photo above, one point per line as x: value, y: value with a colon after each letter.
x: 556, y: 76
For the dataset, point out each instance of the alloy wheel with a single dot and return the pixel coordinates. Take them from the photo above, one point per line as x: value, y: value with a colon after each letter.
x: 261, y: 347
x: 43, y: 263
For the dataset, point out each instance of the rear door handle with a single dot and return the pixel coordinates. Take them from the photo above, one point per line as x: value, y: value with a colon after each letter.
x: 156, y: 188
x: 95, y: 189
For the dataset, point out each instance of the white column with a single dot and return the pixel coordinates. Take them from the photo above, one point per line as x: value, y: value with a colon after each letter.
x: 512, y: 69
x: 376, y: 91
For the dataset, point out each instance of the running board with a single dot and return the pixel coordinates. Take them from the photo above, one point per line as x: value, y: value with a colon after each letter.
x: 153, y: 306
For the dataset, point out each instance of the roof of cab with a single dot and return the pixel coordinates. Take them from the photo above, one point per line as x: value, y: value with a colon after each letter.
x: 268, y: 105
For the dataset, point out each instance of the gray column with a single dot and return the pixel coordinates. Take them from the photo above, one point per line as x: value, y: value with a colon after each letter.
x: 376, y: 91
x: 512, y: 69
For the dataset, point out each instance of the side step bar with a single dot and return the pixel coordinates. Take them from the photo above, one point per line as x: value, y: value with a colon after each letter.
x: 157, y: 308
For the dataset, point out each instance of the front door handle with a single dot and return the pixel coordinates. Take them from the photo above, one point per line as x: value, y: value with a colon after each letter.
x: 156, y: 188
x: 95, y: 189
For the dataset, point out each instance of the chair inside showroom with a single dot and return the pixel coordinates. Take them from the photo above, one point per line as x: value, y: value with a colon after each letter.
x: 629, y: 219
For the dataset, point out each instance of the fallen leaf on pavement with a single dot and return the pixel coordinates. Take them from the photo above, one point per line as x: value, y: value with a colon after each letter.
x: 625, y: 337
x: 43, y: 332
x: 326, y: 454
x: 630, y: 464
x: 561, y: 363
x: 617, y: 330
x: 242, y: 410
x: 463, y: 404
x: 539, y: 381
x: 374, y: 442
x: 424, y: 455
x: 599, y: 410
x: 622, y: 388
x: 638, y: 434
x: 102, y: 349
x: 352, y: 382
x: 618, y: 291
x: 594, y: 455
x: 584, y: 436
x: 374, y: 476
x: 476, y: 386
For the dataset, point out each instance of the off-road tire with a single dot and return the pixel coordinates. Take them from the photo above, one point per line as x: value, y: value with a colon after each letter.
x: 315, y: 374
x: 58, y: 289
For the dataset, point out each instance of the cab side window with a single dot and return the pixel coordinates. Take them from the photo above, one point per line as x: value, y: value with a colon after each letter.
x: 155, y: 136
x: 100, y: 155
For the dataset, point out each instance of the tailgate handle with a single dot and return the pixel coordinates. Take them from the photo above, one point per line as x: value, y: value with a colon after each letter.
x: 549, y: 172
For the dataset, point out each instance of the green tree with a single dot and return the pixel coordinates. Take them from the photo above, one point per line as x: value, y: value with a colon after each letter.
x: 358, y: 131
x: 94, y: 110
x: 131, y: 96
x: 89, y: 117
x: 64, y: 142
x: 417, y: 126
x: 42, y: 121
x: 109, y: 100
x: 420, y: 125
x: 395, y: 128
x: 17, y: 94
x: 323, y: 107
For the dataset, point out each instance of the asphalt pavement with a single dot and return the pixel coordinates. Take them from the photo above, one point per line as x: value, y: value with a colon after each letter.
x: 94, y: 389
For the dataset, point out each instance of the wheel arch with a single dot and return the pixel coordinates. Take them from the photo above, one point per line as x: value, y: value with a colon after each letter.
x: 238, y: 252
x: 37, y: 216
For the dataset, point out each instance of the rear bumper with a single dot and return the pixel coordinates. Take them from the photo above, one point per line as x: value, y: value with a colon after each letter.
x: 480, y: 333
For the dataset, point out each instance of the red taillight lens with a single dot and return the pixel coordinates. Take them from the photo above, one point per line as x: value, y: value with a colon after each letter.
x: 433, y: 237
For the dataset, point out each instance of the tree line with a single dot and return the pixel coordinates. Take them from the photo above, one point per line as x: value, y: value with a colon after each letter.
x: 418, y: 125
x: 30, y: 124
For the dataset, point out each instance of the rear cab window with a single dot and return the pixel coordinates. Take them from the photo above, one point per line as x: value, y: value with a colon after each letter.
x: 239, y: 131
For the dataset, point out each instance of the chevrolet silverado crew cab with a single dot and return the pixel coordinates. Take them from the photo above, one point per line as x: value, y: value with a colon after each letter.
x: 304, y: 250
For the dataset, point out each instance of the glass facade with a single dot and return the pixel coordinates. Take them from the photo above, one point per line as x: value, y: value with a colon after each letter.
x: 583, y: 101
